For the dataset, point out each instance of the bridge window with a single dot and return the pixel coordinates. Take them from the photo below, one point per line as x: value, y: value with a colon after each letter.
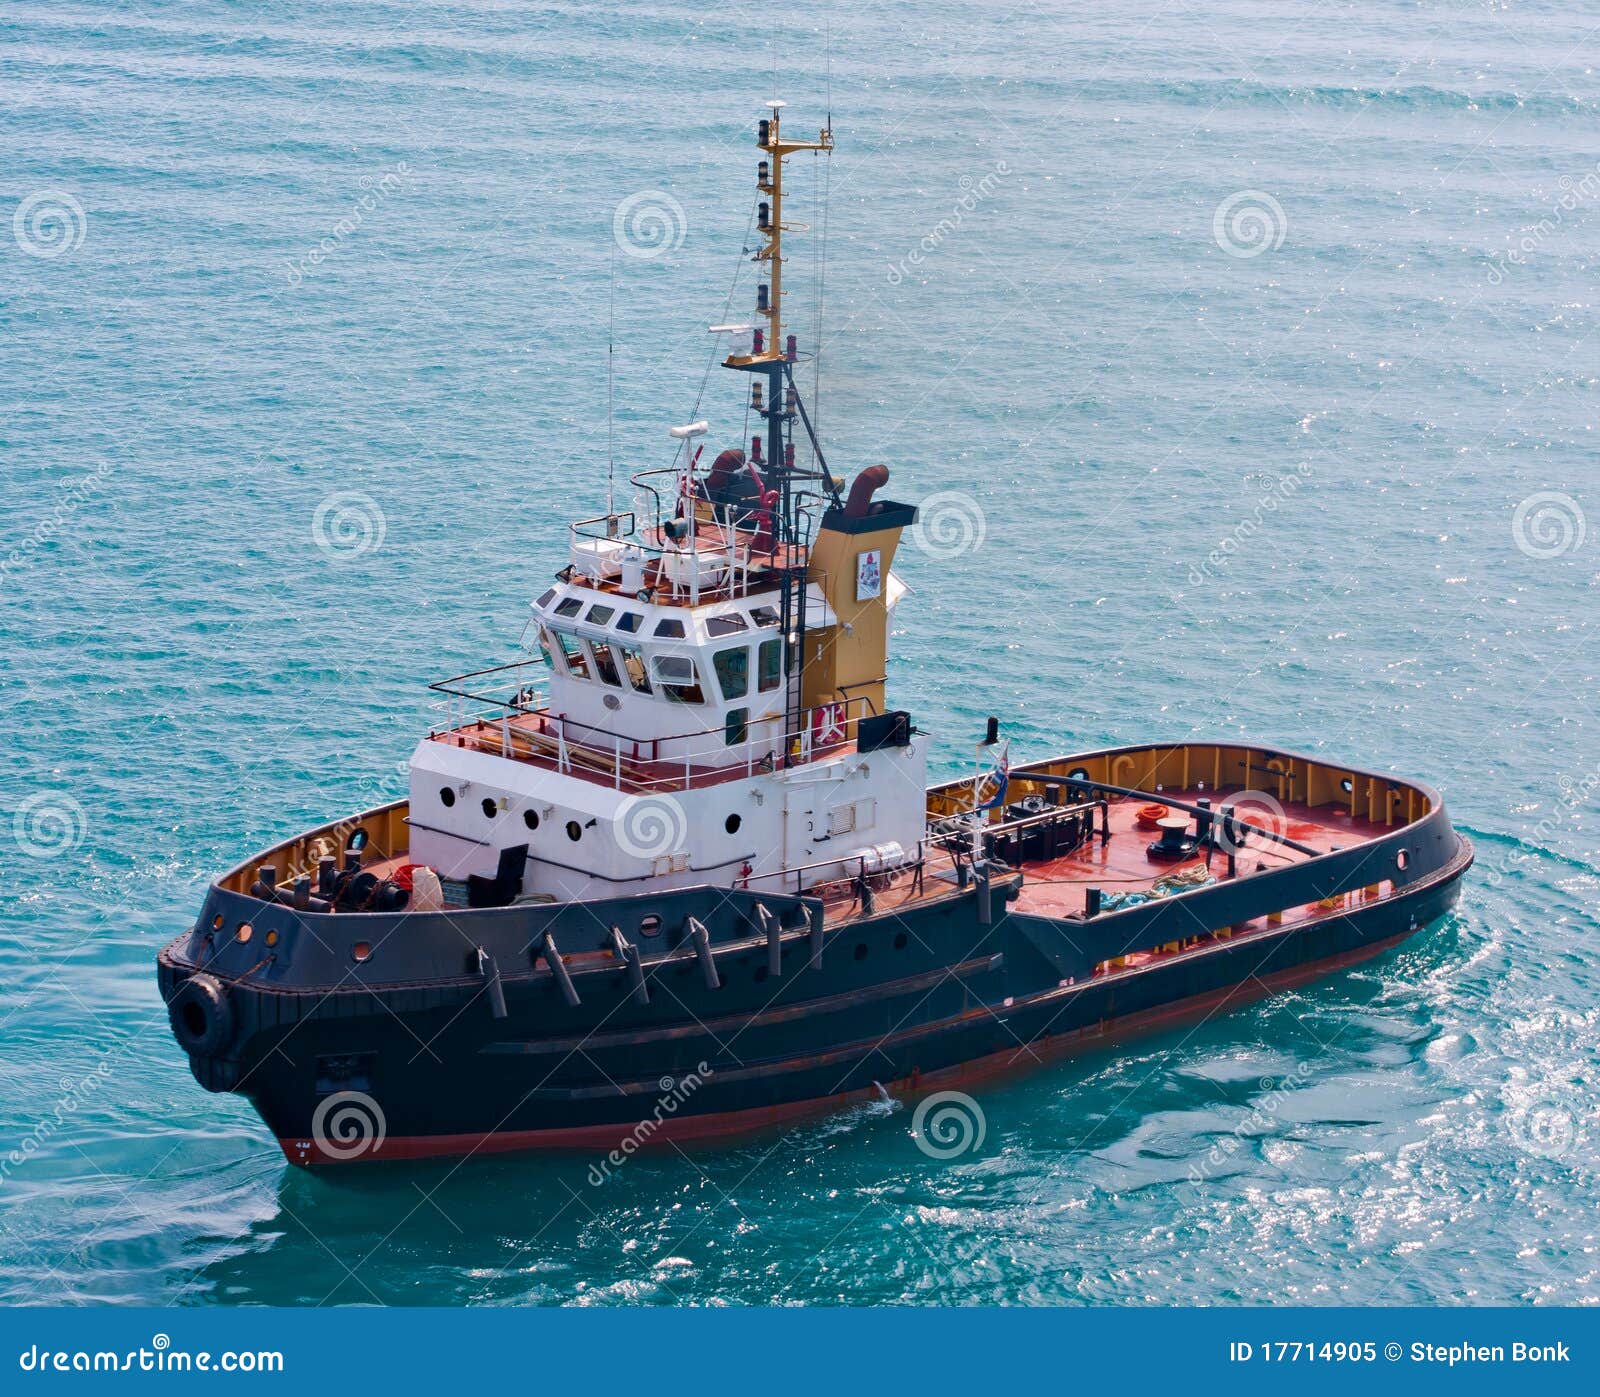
x: 764, y: 615
x: 719, y: 626
x: 678, y: 678
x: 605, y: 664
x: 599, y: 615
x: 733, y: 671
x: 570, y: 606
x: 672, y: 630
x: 572, y: 653
x: 545, y: 648
x: 628, y: 622
x: 736, y: 727
x: 769, y: 664
x: 633, y: 663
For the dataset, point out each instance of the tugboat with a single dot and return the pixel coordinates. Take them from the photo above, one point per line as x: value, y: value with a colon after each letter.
x: 679, y: 876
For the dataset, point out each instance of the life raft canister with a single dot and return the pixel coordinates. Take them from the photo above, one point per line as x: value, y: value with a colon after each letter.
x: 201, y: 1016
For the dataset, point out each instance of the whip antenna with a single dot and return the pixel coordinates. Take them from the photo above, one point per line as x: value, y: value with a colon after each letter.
x: 611, y: 378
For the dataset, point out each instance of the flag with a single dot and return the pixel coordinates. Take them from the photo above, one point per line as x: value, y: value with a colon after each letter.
x: 1000, y: 777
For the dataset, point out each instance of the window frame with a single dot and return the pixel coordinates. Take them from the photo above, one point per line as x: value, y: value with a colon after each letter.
x: 742, y: 677
x: 774, y: 644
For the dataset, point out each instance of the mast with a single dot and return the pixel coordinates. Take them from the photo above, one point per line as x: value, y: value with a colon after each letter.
x: 773, y: 352
x: 771, y: 357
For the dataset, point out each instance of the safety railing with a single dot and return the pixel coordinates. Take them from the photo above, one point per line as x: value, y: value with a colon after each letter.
x: 522, y: 727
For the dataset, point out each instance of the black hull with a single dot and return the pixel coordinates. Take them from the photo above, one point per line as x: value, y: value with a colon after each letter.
x: 346, y: 1071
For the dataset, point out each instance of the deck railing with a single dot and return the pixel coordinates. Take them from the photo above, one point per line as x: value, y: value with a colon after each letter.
x: 523, y: 728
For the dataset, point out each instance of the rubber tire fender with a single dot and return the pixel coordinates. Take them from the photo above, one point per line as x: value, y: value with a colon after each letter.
x: 201, y: 996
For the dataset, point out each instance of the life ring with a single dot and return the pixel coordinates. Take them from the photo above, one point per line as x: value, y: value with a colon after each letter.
x: 1150, y: 816
x: 201, y: 1016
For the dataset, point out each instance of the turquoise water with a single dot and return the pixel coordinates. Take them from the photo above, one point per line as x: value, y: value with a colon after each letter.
x: 1337, y: 495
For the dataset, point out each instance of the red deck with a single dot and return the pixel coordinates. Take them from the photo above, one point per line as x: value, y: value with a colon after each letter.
x: 1057, y: 888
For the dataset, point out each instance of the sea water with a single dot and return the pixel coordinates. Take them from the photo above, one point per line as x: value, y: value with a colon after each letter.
x: 1243, y: 356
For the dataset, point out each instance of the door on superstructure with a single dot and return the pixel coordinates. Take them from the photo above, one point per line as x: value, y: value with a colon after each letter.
x: 799, y: 828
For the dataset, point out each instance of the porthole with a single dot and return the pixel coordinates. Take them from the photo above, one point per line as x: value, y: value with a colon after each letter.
x: 650, y: 926
x: 216, y: 922
x: 361, y: 951
x: 1347, y: 785
x: 245, y: 932
x: 861, y: 950
x: 1402, y: 860
x: 447, y: 797
x: 530, y: 818
x: 272, y: 938
x: 1078, y: 773
x: 574, y: 831
x: 732, y: 823
x: 490, y: 809
x: 900, y: 940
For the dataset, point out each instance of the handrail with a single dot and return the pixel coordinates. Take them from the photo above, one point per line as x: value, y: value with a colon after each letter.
x: 856, y: 856
x: 581, y: 747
